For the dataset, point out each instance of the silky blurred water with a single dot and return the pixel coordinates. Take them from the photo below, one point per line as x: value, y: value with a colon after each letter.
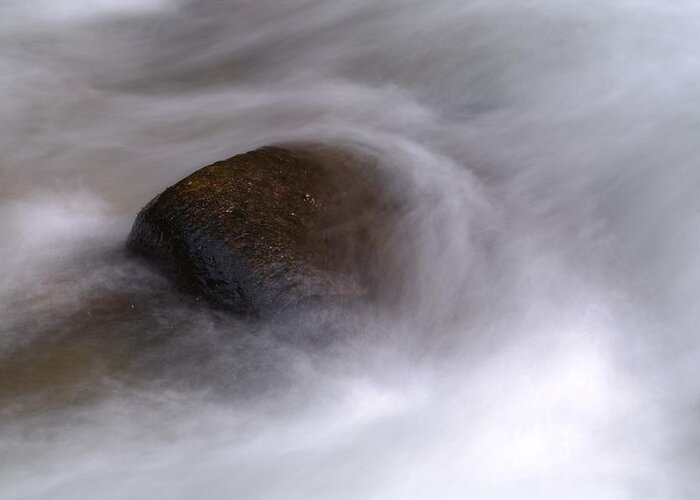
x: 546, y: 341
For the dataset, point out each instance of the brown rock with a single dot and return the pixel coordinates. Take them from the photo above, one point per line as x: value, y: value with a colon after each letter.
x: 271, y: 228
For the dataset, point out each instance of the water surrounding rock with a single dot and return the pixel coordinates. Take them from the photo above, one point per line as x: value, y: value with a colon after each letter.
x: 271, y: 228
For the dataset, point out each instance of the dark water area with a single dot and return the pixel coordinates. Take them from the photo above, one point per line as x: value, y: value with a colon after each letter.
x: 545, y: 344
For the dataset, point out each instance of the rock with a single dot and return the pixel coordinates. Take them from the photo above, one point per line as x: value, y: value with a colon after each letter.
x: 271, y: 228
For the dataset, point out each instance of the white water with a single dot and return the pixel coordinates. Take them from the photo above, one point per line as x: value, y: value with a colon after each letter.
x: 547, y: 347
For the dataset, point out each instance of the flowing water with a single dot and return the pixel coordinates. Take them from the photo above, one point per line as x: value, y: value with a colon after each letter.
x: 546, y: 345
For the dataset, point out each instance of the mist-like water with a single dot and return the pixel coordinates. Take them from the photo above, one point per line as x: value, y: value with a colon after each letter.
x: 545, y: 345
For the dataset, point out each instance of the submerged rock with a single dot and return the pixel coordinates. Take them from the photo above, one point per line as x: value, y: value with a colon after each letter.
x: 272, y: 228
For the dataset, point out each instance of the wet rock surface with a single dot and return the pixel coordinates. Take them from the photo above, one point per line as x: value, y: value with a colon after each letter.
x: 271, y: 228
